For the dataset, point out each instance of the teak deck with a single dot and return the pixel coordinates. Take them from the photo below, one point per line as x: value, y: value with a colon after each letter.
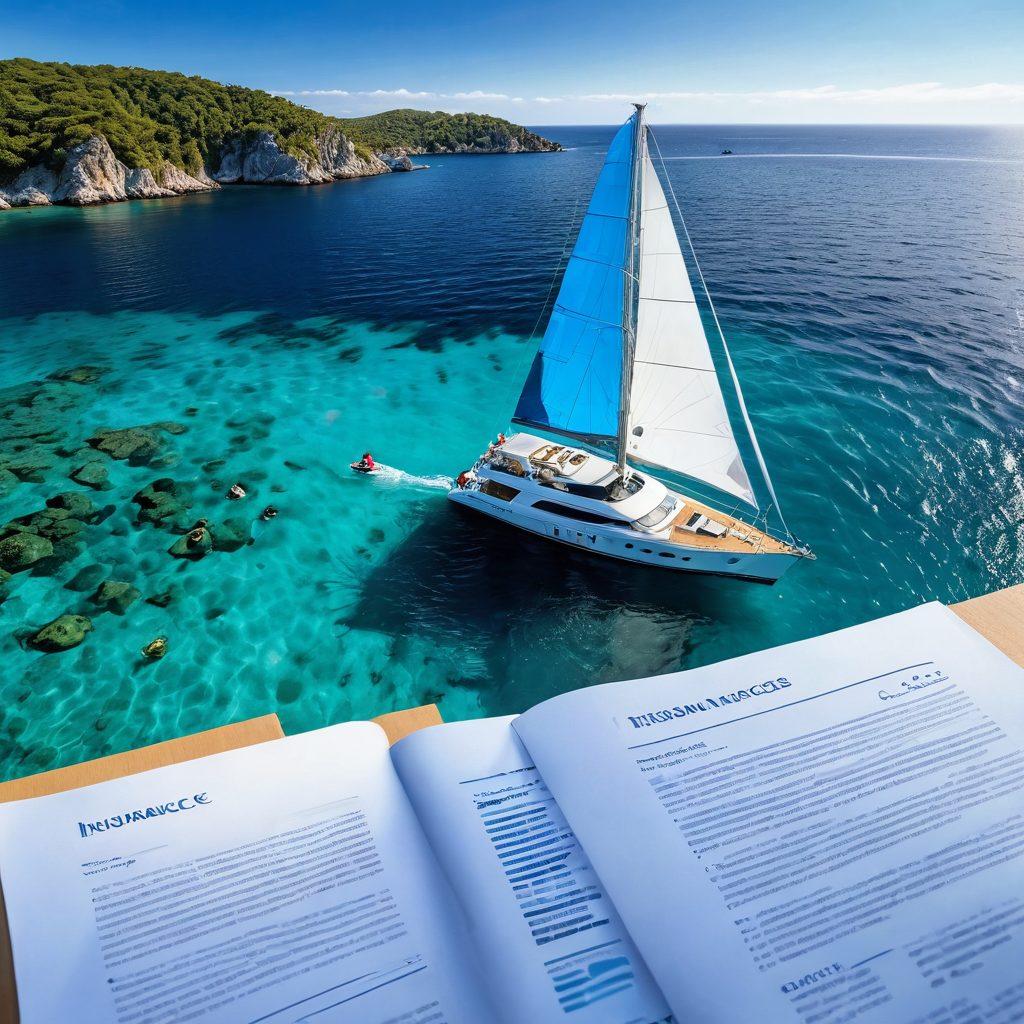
x: 753, y: 541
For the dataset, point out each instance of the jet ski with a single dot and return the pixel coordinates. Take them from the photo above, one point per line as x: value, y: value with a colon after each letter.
x: 365, y: 465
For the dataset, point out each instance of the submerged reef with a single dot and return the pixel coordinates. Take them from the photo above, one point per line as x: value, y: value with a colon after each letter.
x: 37, y: 445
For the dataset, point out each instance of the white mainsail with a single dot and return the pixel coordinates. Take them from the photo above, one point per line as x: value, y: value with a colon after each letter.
x: 677, y: 415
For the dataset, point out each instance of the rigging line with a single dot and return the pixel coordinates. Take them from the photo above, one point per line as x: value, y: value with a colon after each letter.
x: 725, y: 346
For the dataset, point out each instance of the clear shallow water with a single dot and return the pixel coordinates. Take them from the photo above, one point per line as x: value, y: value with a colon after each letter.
x: 875, y: 309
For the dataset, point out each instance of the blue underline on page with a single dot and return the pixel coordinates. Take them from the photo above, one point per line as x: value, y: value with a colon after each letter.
x: 780, y: 707
x: 334, y: 988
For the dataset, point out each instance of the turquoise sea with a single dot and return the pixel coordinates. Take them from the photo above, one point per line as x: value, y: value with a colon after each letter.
x: 870, y: 282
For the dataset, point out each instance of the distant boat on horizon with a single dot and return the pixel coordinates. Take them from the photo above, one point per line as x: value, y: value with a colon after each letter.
x: 625, y: 367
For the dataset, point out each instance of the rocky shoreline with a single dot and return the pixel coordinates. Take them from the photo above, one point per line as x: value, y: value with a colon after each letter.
x: 92, y: 174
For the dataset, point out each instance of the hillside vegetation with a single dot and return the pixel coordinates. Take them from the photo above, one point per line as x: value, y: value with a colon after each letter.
x: 431, y: 130
x: 149, y: 117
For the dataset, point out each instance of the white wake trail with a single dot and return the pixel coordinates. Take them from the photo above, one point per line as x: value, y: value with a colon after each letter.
x: 395, y: 477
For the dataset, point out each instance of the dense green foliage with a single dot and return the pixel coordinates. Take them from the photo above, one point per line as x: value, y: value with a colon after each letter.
x: 146, y: 116
x: 434, y: 130
x: 152, y: 116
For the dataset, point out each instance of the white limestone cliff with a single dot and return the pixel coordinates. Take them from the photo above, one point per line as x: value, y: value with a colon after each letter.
x: 93, y: 174
x: 261, y: 161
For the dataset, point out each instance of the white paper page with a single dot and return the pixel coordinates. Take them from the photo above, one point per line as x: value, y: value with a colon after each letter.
x: 827, y: 831
x: 552, y: 944
x: 284, y: 882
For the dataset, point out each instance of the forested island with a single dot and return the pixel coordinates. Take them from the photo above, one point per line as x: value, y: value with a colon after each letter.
x: 79, y: 134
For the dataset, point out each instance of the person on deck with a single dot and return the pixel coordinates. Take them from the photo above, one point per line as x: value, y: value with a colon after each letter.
x: 367, y: 462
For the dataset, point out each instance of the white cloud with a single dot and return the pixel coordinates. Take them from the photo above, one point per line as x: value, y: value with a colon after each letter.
x: 915, y: 92
x: 913, y: 101
x: 401, y: 94
x: 476, y: 94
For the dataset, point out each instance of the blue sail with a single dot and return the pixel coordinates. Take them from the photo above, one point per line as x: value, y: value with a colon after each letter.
x: 574, y: 383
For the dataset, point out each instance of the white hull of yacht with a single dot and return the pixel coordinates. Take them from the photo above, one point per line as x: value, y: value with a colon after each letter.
x: 522, y: 499
x: 616, y: 543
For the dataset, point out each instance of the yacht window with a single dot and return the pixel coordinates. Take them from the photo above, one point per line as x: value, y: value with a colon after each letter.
x: 657, y: 516
x: 496, y: 490
x: 574, y: 513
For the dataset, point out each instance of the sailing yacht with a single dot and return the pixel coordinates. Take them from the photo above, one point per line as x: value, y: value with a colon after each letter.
x: 625, y: 368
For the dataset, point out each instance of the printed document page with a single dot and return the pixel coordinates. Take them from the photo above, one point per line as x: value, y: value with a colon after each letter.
x: 284, y: 882
x: 551, y: 941
x: 828, y: 831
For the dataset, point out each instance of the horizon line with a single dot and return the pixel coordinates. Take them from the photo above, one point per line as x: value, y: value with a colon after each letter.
x: 762, y: 124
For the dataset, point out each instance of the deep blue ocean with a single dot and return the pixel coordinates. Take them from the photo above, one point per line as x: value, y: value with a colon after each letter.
x: 870, y: 282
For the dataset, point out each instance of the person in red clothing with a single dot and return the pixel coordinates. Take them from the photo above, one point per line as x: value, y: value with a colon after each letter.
x: 366, y: 463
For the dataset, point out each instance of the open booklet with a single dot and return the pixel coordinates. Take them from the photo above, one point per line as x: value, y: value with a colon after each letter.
x: 828, y: 831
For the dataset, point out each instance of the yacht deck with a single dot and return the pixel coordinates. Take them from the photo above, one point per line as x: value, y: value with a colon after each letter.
x: 750, y: 539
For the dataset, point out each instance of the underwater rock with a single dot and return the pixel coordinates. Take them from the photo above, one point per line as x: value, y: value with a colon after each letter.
x: 231, y: 534
x: 71, y: 450
x: 169, y: 427
x: 86, y: 579
x: 30, y: 464
x: 79, y: 374
x: 64, y: 550
x: 63, y: 633
x: 19, y: 551
x: 8, y: 481
x: 91, y: 474
x: 58, y: 527
x: 5, y: 579
x: 164, y: 503
x: 115, y: 596
x: 163, y: 598
x: 75, y: 503
x: 56, y: 523
x: 36, y: 412
x: 156, y: 648
x: 196, y: 543
x: 136, y: 445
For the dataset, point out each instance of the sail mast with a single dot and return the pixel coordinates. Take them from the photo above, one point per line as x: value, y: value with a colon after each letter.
x: 629, y: 289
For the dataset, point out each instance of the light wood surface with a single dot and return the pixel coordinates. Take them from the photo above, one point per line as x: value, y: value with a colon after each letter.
x: 751, y: 540
x: 998, y: 616
x: 398, y: 724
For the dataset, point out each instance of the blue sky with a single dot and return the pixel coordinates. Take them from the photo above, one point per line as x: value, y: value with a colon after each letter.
x: 570, y: 62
